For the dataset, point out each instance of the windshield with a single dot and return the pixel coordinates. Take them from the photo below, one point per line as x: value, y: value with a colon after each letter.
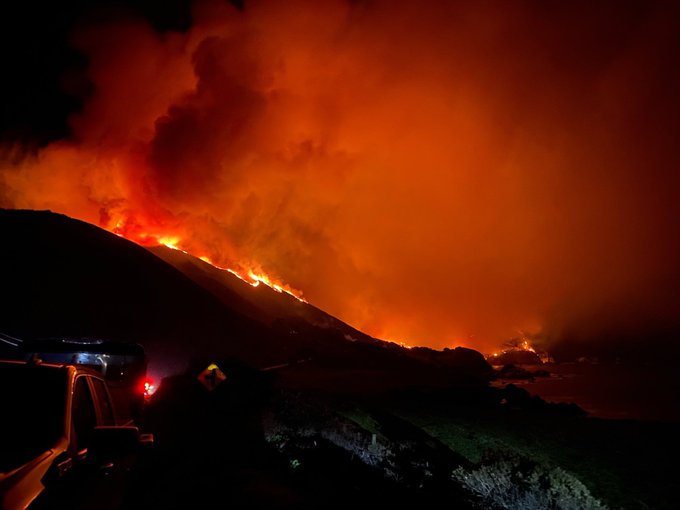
x: 32, y: 400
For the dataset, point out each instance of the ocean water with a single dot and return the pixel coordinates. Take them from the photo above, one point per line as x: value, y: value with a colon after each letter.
x: 611, y: 390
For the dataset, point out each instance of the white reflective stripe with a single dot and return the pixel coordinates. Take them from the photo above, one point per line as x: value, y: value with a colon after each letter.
x: 14, y: 342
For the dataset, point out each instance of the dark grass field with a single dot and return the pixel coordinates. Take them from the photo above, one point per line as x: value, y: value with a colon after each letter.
x: 306, y: 438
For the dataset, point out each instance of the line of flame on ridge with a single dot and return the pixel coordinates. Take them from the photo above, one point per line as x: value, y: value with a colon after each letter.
x: 252, y: 278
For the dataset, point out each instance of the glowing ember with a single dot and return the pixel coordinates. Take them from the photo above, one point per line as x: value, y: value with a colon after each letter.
x: 400, y: 343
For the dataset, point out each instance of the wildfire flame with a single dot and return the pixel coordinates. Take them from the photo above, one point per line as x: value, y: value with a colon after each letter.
x: 527, y: 347
x: 252, y: 276
x: 255, y: 279
x: 523, y: 345
x: 394, y: 341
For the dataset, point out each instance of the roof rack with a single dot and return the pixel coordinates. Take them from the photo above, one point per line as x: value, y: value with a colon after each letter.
x: 10, y: 340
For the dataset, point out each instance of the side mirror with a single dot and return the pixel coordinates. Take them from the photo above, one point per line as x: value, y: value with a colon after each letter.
x: 109, y: 445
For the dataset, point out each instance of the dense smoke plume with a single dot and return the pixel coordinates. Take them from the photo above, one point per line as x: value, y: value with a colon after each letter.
x: 440, y: 173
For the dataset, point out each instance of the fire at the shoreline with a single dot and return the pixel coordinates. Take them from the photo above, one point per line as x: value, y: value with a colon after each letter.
x: 519, y: 345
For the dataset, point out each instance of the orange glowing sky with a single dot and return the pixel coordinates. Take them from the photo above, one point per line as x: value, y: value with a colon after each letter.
x: 439, y: 173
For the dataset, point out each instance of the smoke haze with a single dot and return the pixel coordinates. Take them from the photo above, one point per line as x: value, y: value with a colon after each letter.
x: 439, y: 173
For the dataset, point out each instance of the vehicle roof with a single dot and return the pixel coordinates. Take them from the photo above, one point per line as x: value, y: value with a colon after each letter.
x: 58, y: 344
x: 77, y: 368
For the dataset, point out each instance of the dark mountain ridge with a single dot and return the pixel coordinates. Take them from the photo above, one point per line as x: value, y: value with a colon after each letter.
x: 64, y: 277
x: 260, y: 303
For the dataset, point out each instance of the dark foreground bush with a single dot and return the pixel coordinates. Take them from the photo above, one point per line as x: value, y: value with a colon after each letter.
x: 511, y: 482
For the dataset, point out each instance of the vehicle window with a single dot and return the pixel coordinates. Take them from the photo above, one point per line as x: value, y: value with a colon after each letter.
x: 84, y: 417
x: 104, y: 402
x: 32, y: 411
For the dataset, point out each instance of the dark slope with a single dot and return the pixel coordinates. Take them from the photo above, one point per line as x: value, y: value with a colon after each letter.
x: 312, y: 333
x: 261, y: 303
x: 308, y: 332
x: 65, y: 277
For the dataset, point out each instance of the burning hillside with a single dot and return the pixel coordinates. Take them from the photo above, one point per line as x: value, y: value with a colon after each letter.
x: 252, y: 275
x: 63, y: 277
x: 440, y: 173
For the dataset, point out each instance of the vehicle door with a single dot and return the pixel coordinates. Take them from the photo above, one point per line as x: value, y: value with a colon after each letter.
x: 104, y: 406
x: 86, y: 486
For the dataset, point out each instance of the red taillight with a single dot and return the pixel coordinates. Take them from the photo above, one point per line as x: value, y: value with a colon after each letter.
x: 147, y: 387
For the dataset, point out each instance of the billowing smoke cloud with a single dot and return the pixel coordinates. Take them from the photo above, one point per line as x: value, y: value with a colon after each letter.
x: 442, y: 173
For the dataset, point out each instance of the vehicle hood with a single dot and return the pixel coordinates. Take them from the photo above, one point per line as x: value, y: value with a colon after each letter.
x: 19, y: 487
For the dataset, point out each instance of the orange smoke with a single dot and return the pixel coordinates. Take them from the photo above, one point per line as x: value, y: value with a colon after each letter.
x: 442, y: 173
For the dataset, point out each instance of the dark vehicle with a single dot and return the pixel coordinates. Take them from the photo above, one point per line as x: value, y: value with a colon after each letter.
x: 60, y: 445
x: 122, y: 364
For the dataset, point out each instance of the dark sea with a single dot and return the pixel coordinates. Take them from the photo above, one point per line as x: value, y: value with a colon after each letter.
x: 649, y: 392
